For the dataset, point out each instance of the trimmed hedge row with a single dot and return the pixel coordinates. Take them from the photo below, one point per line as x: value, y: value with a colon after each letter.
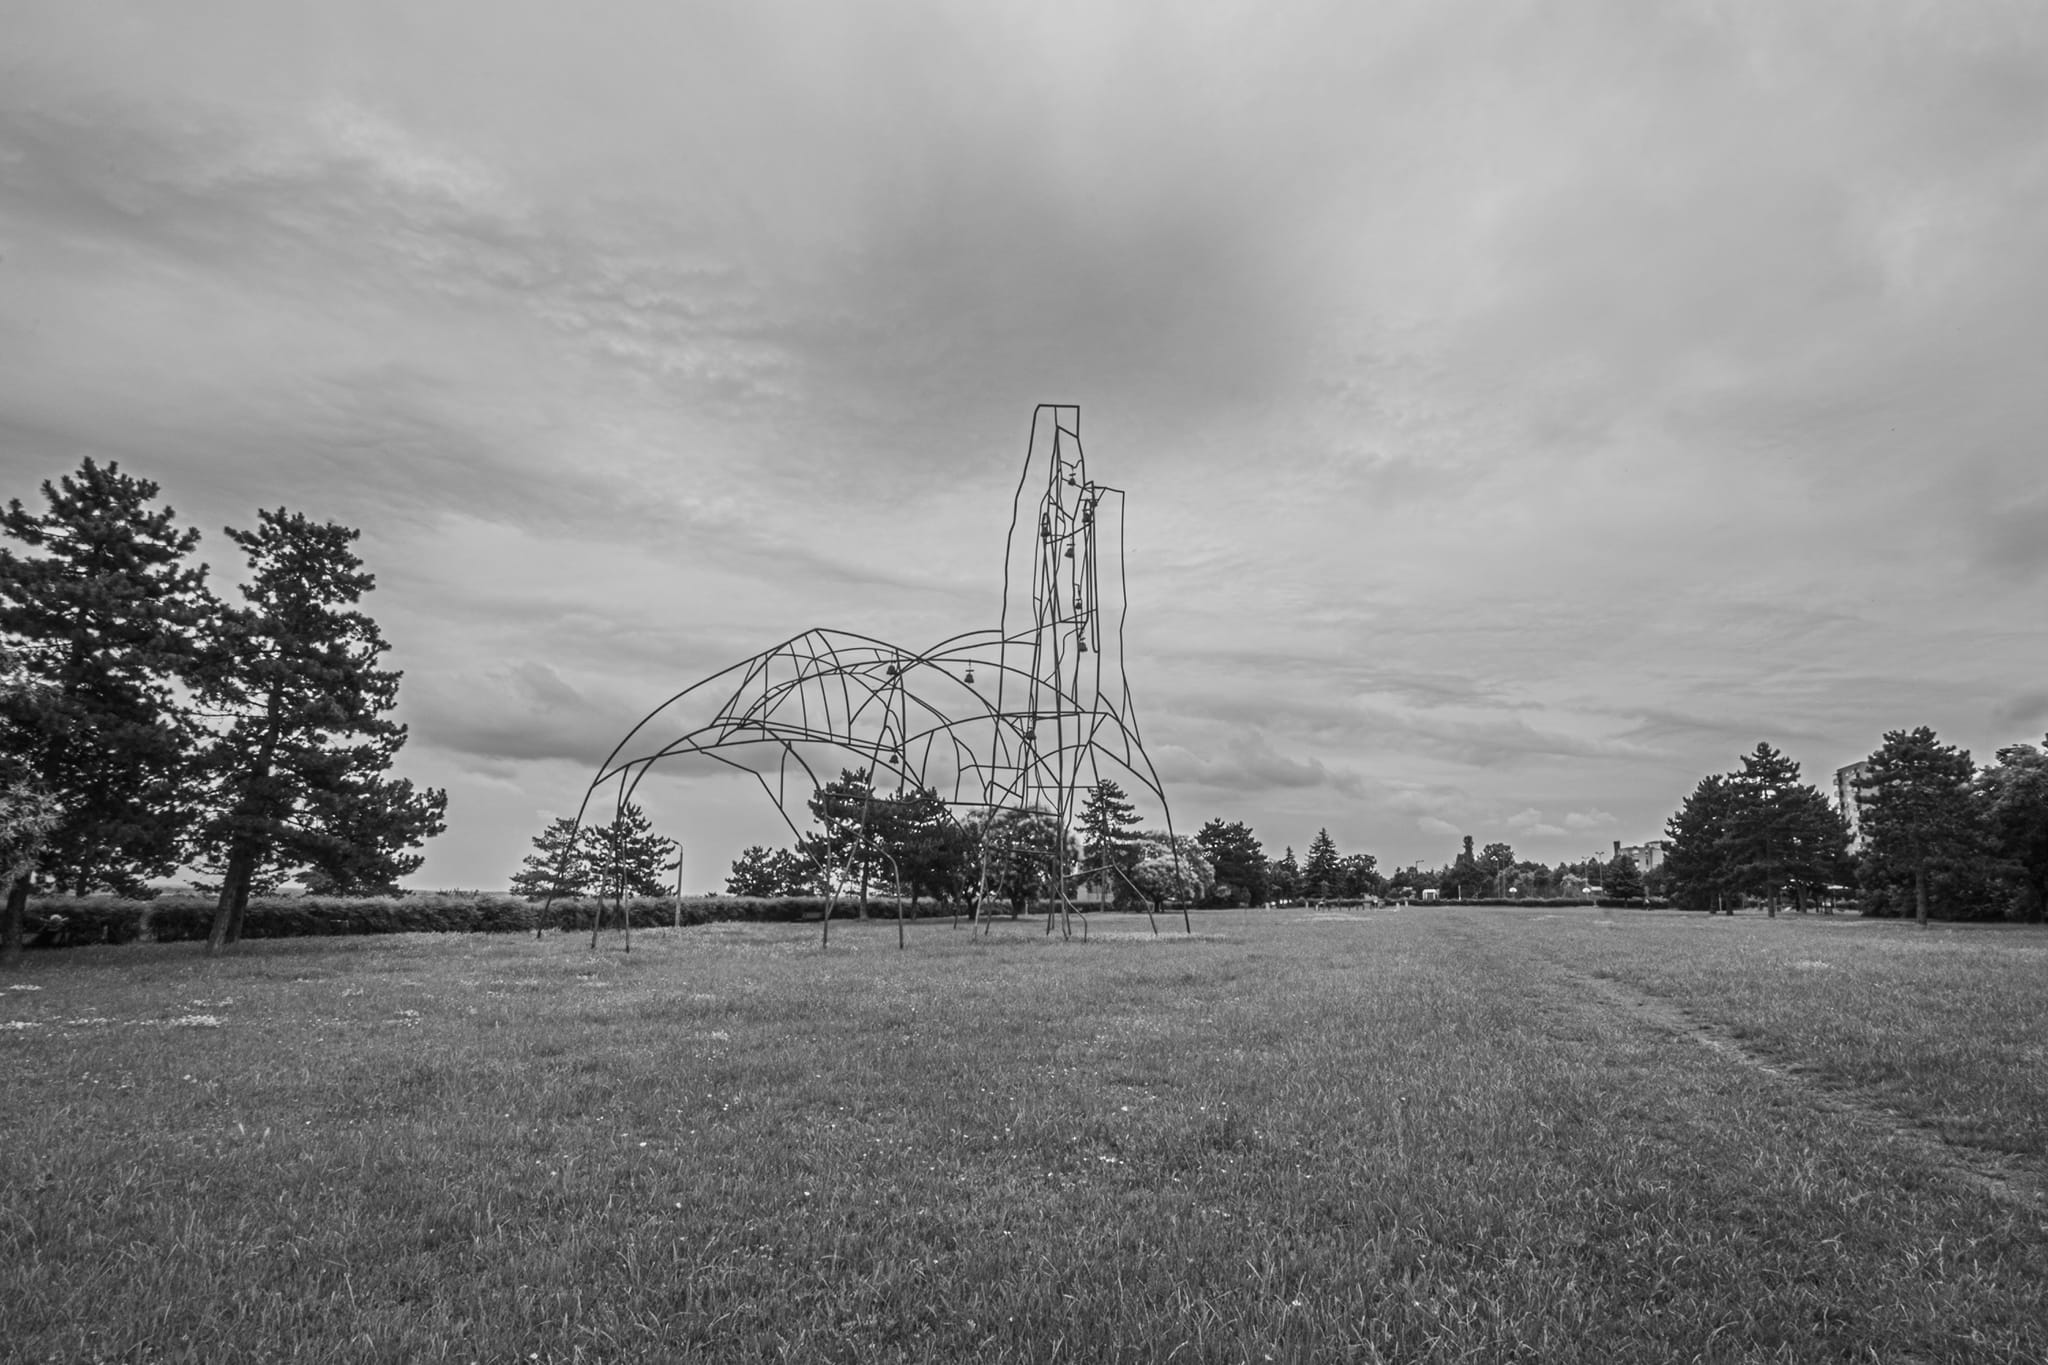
x: 65, y: 922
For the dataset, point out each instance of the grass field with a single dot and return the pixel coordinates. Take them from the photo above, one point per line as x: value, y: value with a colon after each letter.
x: 1434, y: 1134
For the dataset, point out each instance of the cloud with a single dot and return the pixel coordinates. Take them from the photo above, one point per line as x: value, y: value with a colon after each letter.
x: 1530, y: 821
x: 1490, y: 736
x: 2011, y: 541
x: 1585, y: 821
x: 1521, y: 412
x: 1247, y: 763
x: 2026, y: 709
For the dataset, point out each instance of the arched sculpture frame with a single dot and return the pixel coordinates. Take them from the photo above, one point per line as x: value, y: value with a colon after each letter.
x: 1028, y: 717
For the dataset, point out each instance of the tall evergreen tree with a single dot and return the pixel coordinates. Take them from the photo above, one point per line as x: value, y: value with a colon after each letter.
x: 1622, y: 881
x: 559, y: 864
x: 851, y: 841
x: 1283, y: 879
x: 935, y: 853
x: 1779, y: 834
x: 1105, y: 826
x: 756, y: 872
x: 2013, y: 795
x: 1699, y: 865
x: 1465, y: 879
x: 1917, y: 820
x: 1239, y: 860
x: 627, y: 858
x: 102, y: 618
x: 1320, y: 876
x: 298, y: 769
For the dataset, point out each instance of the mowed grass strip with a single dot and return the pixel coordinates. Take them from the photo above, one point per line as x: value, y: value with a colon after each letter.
x: 1947, y: 1026
x: 1392, y: 1136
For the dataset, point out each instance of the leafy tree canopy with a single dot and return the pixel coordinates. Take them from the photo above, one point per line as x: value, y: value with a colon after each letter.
x: 1027, y: 855
x: 1239, y: 860
x: 2013, y: 797
x: 1174, y: 870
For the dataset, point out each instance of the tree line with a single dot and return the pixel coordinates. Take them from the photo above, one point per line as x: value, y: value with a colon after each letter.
x: 869, y: 840
x: 1940, y: 836
x: 147, y: 725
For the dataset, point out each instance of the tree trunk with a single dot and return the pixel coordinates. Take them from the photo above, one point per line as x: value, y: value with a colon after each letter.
x: 1920, y: 892
x: 10, y: 925
x: 234, y: 897
x: 246, y: 849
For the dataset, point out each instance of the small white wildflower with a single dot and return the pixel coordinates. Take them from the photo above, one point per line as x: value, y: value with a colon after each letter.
x: 20, y: 1024
x: 194, y: 1021
x: 24, y: 988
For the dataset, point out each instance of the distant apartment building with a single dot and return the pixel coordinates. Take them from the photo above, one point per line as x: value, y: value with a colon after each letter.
x: 1849, y: 801
x: 1648, y: 856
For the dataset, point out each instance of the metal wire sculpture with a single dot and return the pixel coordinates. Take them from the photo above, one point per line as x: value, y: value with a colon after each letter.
x: 1025, y: 718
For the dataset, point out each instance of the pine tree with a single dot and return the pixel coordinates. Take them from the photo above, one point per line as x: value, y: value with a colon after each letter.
x: 298, y: 768
x: 1757, y: 833
x: 627, y: 858
x: 1917, y: 816
x: 2013, y: 795
x: 102, y: 621
x: 1105, y: 824
x: 1464, y: 879
x: 1284, y: 877
x: 1622, y: 881
x: 1320, y: 877
x: 1815, y: 848
x: 851, y: 841
x: 559, y: 864
x: 1239, y: 860
x: 1699, y: 864
x: 934, y: 852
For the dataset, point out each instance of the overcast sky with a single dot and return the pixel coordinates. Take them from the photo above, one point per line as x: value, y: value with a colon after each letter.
x: 1524, y: 408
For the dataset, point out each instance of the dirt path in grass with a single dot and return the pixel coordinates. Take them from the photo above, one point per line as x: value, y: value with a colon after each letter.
x: 2003, y: 1176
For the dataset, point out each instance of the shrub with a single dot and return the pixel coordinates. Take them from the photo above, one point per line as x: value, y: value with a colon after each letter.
x: 68, y: 923
x: 183, y: 917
